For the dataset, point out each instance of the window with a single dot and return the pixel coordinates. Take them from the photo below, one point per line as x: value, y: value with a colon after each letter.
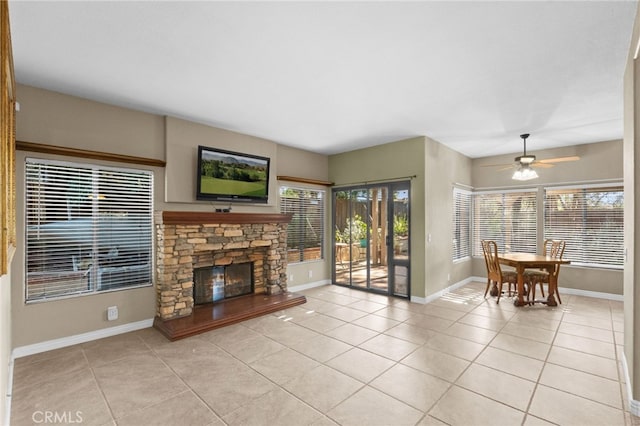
x: 461, y: 223
x: 509, y: 218
x: 88, y: 228
x: 590, y: 220
x: 305, y: 233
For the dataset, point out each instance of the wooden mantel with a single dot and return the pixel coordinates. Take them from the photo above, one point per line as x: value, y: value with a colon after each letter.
x: 192, y: 218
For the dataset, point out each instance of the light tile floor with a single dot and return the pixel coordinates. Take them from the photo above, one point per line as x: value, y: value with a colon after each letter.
x: 350, y: 358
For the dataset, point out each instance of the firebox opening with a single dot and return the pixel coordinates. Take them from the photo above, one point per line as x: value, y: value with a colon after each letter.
x: 215, y: 283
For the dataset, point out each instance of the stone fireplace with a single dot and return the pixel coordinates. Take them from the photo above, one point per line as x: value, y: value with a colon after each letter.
x: 188, y: 241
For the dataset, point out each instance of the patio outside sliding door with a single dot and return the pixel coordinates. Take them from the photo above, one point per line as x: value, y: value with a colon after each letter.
x: 371, y: 234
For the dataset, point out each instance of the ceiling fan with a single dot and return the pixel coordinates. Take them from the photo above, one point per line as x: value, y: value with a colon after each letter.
x: 526, y: 163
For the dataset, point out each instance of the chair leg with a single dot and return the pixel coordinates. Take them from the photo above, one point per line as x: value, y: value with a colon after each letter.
x: 499, y: 291
x: 558, y: 295
x: 527, y: 291
x: 486, y: 290
x: 532, y: 293
x: 532, y: 289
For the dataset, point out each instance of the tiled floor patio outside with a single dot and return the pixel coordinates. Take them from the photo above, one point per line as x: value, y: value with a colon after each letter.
x: 351, y: 358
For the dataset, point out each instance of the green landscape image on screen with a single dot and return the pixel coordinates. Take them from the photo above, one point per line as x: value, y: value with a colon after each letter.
x: 228, y: 176
x: 225, y: 186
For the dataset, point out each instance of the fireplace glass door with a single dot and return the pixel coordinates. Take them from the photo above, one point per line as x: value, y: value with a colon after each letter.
x: 215, y: 283
x: 371, y: 238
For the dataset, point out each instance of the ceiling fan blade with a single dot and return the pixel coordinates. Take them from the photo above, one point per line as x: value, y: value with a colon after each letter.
x: 540, y: 165
x: 546, y: 163
x: 496, y: 165
x: 559, y: 159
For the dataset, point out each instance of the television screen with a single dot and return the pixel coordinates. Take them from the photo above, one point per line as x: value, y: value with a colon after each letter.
x: 232, y: 176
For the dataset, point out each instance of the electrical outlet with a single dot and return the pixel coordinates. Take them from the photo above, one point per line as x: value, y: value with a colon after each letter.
x: 112, y: 313
x: 291, y: 277
x: 310, y: 274
x: 448, y: 277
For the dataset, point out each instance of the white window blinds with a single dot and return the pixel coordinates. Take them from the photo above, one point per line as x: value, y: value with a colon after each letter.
x: 88, y: 228
x: 590, y: 220
x: 305, y: 234
x: 461, y: 224
x: 508, y: 218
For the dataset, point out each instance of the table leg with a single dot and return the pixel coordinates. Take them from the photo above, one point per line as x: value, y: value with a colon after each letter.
x: 553, y: 283
x: 519, y: 301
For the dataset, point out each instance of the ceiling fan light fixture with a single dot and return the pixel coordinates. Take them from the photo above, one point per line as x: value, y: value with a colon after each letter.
x: 524, y: 172
x: 526, y: 159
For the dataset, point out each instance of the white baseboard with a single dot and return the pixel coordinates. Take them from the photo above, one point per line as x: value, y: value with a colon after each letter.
x: 308, y: 286
x: 420, y: 300
x: 587, y: 293
x: 49, y: 345
x: 439, y: 294
x: 634, y: 406
x: 7, y: 413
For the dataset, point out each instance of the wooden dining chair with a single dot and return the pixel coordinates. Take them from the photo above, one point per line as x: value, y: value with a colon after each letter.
x: 494, y: 271
x: 555, y: 250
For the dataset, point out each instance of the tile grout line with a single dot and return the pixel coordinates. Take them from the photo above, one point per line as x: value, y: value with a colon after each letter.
x: 544, y: 365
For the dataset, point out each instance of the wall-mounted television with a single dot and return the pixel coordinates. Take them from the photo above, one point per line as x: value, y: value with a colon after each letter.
x: 231, y: 176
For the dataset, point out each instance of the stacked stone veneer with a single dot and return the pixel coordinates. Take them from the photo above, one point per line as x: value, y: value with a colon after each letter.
x: 217, y: 241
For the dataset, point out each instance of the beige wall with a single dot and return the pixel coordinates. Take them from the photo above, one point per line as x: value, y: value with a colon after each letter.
x: 294, y: 162
x: 632, y: 216
x: 599, y: 162
x: 63, y: 120
x: 297, y: 163
x: 444, y: 168
x: 432, y: 204
x: 390, y: 162
x: 183, y: 138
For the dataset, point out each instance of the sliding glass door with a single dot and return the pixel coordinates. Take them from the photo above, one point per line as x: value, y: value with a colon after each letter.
x: 399, y: 262
x: 371, y: 238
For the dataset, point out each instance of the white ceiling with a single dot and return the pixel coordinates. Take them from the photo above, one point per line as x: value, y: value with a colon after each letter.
x: 335, y: 76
